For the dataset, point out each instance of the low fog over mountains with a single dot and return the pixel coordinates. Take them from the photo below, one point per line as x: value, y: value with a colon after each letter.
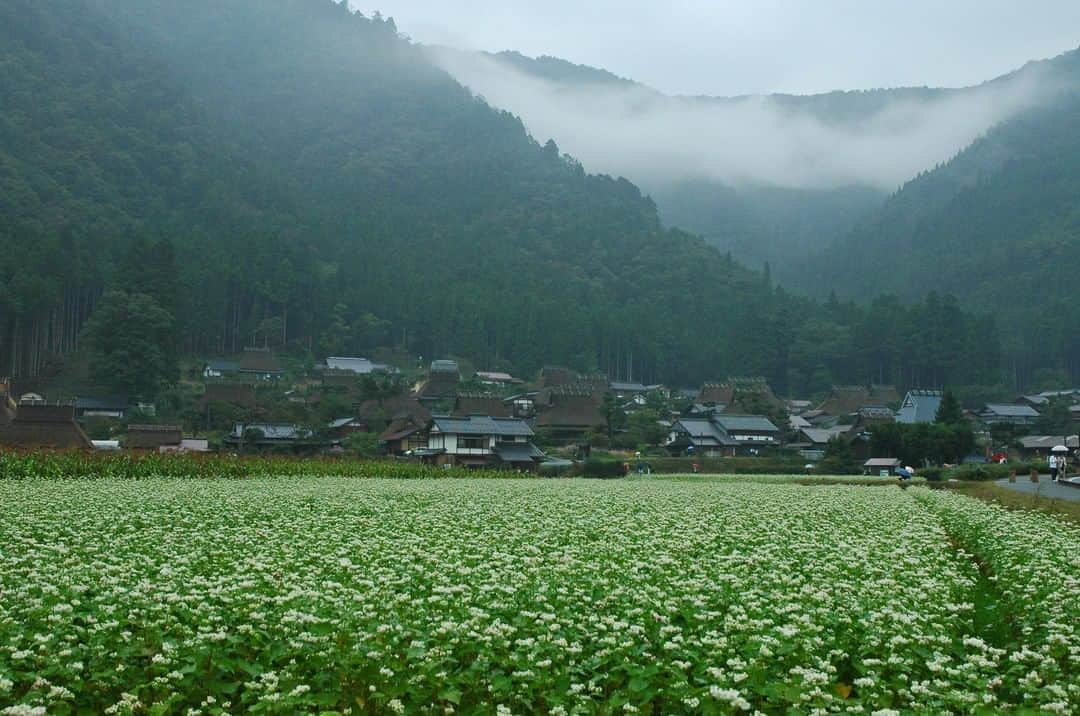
x: 770, y: 178
x: 878, y: 139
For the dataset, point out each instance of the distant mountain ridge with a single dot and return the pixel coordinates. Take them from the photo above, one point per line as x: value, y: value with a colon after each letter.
x: 769, y: 222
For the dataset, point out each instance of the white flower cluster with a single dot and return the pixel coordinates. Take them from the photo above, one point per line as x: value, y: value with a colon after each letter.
x: 289, y: 595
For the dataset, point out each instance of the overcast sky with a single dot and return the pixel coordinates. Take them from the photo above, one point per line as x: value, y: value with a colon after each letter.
x: 729, y: 47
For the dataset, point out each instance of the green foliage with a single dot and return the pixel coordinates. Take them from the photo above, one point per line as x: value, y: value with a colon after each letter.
x: 999, y: 226
x: 645, y: 429
x: 138, y: 466
x: 922, y: 443
x: 317, y: 184
x: 949, y: 411
x: 363, y: 444
x: 597, y: 467
x: 131, y: 337
x: 839, y: 459
x: 1056, y: 417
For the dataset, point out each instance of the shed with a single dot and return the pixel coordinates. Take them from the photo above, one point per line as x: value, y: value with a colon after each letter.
x: 881, y: 466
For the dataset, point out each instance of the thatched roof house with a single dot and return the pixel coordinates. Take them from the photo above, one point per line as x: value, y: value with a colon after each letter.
x: 153, y: 437
x: 41, y: 425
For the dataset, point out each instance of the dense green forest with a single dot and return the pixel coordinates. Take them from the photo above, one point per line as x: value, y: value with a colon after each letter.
x: 996, y: 225
x: 295, y: 175
x: 999, y: 225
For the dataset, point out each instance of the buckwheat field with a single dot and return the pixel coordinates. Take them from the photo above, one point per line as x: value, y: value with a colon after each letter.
x: 309, y: 594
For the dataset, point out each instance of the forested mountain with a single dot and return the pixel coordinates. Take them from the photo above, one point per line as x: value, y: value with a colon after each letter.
x: 296, y: 175
x: 999, y: 226
x: 994, y: 223
x: 840, y: 153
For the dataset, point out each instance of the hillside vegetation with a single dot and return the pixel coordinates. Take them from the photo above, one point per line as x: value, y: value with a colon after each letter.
x: 295, y: 175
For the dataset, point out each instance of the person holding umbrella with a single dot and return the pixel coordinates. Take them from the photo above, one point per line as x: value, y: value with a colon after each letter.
x: 1058, y: 462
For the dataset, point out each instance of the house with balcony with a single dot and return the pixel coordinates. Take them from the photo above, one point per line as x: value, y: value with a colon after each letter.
x: 1020, y: 415
x: 722, y: 435
x: 482, y: 441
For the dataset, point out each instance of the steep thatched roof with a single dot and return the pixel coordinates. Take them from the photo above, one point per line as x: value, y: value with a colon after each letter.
x: 482, y: 404
x: 45, y: 426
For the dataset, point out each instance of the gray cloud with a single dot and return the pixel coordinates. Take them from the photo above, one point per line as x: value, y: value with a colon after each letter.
x: 731, y: 47
x: 649, y: 138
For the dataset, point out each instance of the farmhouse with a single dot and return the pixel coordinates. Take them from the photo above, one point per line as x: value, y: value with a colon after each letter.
x: 354, y: 366
x: 1038, y: 447
x: 344, y: 427
x: 286, y: 436
x: 220, y: 368
x: 482, y: 441
x: 405, y: 434
x: 469, y: 403
x: 260, y: 363
x: 740, y: 394
x: 442, y: 382
x: 153, y: 437
x: 848, y: 399
x: 43, y: 425
x: 723, y: 435
x: 919, y: 406
x: 113, y: 407
x: 1008, y: 413
x: 881, y: 466
x: 569, y: 413
x: 495, y: 378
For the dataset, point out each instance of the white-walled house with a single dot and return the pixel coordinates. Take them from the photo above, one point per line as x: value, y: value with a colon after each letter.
x: 481, y: 441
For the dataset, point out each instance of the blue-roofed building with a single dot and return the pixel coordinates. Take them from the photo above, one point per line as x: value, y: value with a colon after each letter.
x: 919, y: 406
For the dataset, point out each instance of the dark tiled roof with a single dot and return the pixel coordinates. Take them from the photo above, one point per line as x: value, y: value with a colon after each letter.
x: 1011, y: 411
x: 518, y: 452
x: 702, y: 432
x: 445, y: 366
x: 111, y: 402
x: 745, y: 422
x: 476, y: 425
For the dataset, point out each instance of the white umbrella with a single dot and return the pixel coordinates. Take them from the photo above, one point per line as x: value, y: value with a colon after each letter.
x: 1059, y: 448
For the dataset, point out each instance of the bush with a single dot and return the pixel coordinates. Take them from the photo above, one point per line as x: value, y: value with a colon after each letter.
x: 606, y: 469
x: 771, y: 465
x: 979, y: 473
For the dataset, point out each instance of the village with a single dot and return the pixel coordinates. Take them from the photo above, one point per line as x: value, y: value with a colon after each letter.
x: 443, y: 414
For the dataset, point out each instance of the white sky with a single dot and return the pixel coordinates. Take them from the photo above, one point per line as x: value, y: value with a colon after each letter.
x: 729, y: 47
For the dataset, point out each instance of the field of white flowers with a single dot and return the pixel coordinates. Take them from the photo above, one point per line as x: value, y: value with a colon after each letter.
x: 285, y: 595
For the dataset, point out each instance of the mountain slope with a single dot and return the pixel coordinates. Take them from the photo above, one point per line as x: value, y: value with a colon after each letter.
x: 999, y: 226
x: 325, y: 185
x: 769, y: 178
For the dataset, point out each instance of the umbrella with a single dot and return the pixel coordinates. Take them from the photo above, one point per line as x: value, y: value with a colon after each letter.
x: 1059, y: 448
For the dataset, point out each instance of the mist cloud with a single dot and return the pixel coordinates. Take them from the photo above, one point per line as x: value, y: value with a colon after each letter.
x: 650, y: 138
